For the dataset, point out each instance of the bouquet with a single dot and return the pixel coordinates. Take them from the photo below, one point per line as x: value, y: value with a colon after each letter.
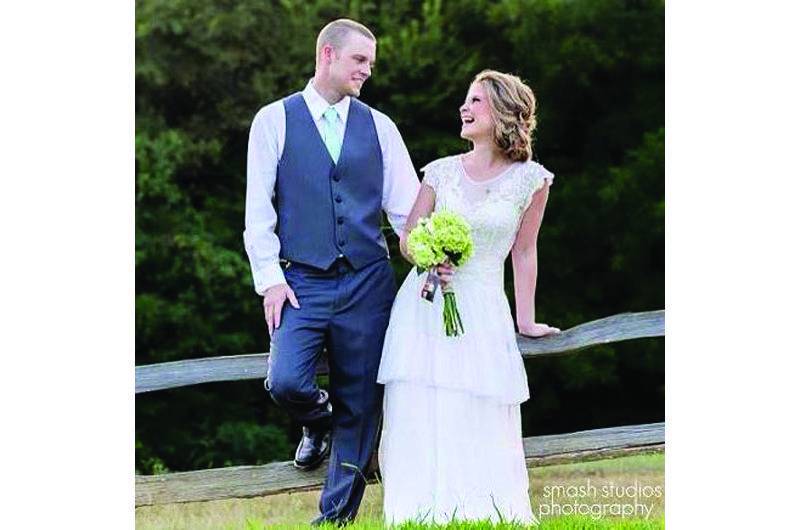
x: 442, y: 238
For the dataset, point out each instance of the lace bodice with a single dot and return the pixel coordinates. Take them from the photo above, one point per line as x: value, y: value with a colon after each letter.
x: 493, y: 208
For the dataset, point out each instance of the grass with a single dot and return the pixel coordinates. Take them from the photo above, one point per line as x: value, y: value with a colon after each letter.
x: 584, y: 488
x: 558, y: 523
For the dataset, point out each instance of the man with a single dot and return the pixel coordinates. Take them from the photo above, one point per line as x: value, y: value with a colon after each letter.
x: 330, y: 163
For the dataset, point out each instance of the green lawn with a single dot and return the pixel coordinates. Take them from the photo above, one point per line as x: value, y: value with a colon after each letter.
x: 617, y: 494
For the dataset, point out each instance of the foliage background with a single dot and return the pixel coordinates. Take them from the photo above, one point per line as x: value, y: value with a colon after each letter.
x: 203, y: 69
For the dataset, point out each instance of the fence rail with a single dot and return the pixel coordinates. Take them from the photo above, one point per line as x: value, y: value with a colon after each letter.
x: 278, y: 477
x: 617, y: 328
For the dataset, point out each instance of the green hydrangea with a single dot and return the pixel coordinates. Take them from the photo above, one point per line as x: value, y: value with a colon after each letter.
x: 422, y: 247
x: 451, y: 234
x: 443, y: 235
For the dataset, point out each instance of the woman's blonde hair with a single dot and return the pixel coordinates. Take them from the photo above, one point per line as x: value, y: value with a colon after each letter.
x: 513, y: 107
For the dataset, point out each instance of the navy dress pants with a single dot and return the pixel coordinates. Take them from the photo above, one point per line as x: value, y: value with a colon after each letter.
x: 345, y: 311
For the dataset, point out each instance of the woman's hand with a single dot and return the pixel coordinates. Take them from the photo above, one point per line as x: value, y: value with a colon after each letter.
x: 445, y: 272
x: 537, y: 330
x: 404, y: 246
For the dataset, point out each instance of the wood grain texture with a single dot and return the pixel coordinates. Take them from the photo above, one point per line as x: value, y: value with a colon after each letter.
x: 617, y: 328
x: 625, y: 326
x: 280, y: 477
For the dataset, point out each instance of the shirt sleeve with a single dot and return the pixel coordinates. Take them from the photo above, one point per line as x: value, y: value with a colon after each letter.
x: 260, y: 240
x: 400, y: 182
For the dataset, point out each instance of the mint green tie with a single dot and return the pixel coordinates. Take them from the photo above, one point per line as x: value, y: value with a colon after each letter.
x: 331, y: 137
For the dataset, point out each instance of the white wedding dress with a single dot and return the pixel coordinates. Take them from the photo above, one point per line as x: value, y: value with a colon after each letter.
x: 451, y: 443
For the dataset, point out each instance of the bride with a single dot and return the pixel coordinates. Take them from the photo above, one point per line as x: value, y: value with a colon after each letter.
x: 451, y: 444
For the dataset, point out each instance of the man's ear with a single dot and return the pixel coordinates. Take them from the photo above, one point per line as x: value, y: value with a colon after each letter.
x: 328, y: 53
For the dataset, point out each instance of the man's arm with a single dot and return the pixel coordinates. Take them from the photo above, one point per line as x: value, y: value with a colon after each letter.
x: 400, y: 182
x: 260, y: 218
x: 260, y: 241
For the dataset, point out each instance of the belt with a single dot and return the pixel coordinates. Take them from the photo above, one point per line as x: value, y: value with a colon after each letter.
x: 340, y: 266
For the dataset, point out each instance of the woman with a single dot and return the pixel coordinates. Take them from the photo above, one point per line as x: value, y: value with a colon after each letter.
x: 451, y: 445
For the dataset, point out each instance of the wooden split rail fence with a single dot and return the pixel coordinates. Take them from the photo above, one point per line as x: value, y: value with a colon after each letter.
x: 279, y: 477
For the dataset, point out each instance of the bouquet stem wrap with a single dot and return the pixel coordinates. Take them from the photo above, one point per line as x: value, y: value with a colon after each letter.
x: 452, y: 319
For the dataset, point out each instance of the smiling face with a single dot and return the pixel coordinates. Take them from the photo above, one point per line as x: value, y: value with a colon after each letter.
x: 477, y: 121
x: 349, y: 66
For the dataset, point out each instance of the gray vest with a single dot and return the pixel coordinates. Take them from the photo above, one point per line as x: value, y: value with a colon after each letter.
x: 326, y: 210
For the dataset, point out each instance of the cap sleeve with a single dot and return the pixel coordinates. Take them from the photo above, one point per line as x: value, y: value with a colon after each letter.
x: 434, y: 173
x: 536, y: 177
x: 546, y: 174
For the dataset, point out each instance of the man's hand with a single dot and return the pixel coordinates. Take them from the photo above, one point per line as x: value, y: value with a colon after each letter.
x: 274, y: 299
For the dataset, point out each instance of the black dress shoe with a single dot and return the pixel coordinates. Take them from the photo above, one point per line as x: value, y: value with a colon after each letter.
x: 314, y: 447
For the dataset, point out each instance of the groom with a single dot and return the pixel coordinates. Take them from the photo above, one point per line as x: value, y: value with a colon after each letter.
x: 321, y: 165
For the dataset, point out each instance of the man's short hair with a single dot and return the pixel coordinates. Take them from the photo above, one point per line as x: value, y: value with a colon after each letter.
x: 336, y: 32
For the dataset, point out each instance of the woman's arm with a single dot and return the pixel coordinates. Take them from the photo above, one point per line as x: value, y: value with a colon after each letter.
x: 423, y: 206
x: 524, y: 260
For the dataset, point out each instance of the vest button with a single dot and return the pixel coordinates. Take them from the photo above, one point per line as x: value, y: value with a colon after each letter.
x: 338, y: 198
x: 336, y: 178
x: 340, y: 220
x: 341, y: 242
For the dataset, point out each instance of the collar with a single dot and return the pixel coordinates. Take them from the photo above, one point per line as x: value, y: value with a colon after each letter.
x: 317, y: 104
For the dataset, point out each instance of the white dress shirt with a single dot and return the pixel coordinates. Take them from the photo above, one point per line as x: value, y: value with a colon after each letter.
x: 264, y: 150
